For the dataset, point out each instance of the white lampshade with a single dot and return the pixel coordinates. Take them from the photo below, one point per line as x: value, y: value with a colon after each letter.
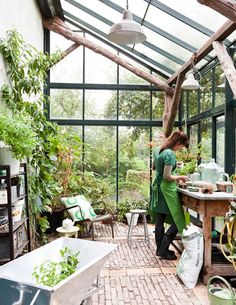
x: 190, y: 82
x: 126, y: 31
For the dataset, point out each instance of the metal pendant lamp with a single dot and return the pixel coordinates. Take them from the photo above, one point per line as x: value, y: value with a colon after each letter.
x: 126, y: 31
x: 190, y: 82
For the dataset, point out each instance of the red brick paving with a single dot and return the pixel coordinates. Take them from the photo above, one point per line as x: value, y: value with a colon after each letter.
x: 137, y: 276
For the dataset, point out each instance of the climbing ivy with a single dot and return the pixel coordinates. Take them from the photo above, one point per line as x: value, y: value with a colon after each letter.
x: 27, y: 69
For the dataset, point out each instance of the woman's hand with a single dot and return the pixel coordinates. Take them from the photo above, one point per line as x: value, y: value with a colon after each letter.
x: 181, y: 178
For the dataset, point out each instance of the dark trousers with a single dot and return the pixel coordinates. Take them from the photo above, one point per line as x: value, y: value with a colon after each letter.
x: 160, y: 230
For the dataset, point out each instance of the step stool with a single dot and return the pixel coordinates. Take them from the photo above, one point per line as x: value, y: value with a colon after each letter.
x: 130, y: 231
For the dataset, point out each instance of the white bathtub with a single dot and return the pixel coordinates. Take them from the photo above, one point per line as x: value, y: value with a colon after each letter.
x: 18, y: 287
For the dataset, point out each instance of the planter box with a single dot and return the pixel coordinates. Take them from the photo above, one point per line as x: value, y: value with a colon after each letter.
x: 20, y: 287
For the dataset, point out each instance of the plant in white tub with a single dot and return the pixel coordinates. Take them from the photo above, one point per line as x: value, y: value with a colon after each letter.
x: 50, y: 273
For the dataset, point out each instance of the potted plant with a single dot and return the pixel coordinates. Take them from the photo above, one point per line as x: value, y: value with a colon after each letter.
x: 18, y: 139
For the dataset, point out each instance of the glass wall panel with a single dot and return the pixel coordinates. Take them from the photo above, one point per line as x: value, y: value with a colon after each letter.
x: 98, y: 68
x: 69, y: 69
x: 100, y: 152
x: 127, y: 77
x: 200, y: 13
x: 134, y: 105
x: 193, y: 136
x: 219, y: 86
x: 206, y: 138
x: 206, y: 92
x: 158, y: 102
x: 65, y: 104
x: 100, y: 104
x: 193, y: 103
x: 220, y: 141
x: 134, y: 158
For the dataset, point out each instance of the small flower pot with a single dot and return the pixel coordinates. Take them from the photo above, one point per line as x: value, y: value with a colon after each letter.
x: 128, y: 217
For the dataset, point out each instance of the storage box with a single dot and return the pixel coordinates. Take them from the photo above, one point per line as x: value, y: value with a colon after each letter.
x: 3, y: 196
x: 226, y: 187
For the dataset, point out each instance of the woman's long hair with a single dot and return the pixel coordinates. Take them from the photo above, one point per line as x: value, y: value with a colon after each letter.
x: 177, y: 137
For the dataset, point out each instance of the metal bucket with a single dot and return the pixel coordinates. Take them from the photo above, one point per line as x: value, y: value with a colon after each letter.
x: 220, y: 296
x: 18, y: 287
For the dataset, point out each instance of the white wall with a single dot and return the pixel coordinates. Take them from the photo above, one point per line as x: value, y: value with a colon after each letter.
x: 25, y: 17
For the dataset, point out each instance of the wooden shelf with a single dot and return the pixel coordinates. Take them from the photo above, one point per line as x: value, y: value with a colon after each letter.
x: 20, y: 250
x: 19, y: 232
x: 4, y: 260
x: 15, y: 226
x: 19, y: 198
x: 4, y: 205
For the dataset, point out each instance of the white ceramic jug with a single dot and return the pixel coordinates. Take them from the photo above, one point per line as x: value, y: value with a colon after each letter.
x: 67, y: 223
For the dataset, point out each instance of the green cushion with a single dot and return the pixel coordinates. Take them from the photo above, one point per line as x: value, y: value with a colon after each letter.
x: 82, y: 211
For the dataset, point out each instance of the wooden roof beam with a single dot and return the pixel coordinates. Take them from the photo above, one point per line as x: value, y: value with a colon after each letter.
x: 224, y: 31
x: 226, y: 64
x: 58, y: 26
x: 224, y: 7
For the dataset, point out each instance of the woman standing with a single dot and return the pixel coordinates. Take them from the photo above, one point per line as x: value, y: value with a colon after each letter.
x: 165, y: 202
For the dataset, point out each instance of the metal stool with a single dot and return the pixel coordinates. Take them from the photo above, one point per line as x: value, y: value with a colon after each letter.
x: 146, y: 235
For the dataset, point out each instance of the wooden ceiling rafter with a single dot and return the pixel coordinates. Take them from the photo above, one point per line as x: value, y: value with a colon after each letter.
x: 58, y: 26
x: 226, y: 64
x: 220, y: 35
x: 226, y: 8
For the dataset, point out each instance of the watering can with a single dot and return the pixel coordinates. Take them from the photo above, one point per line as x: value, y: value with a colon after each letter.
x: 220, y: 296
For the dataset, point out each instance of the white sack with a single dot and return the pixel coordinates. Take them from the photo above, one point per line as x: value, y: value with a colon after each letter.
x: 191, y: 260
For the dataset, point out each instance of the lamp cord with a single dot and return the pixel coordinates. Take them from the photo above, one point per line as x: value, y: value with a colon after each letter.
x: 127, y: 5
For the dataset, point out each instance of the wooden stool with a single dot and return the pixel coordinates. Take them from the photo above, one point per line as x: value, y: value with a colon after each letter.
x: 73, y: 231
x: 145, y: 235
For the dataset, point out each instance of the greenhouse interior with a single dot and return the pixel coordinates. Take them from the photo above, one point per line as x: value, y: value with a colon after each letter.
x: 117, y: 152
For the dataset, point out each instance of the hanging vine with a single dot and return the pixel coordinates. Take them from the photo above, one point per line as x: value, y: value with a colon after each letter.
x: 27, y: 69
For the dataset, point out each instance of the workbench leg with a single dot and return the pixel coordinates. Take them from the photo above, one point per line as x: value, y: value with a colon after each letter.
x: 207, y: 262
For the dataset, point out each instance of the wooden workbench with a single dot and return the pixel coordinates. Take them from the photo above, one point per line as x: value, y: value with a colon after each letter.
x: 209, y: 206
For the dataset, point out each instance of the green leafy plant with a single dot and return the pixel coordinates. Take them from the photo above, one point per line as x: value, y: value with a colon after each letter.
x: 50, y: 273
x: 16, y: 132
x: 189, y: 160
x: 230, y: 229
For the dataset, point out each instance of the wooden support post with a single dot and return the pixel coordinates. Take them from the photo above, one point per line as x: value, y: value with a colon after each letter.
x: 174, y: 106
x: 69, y: 50
x: 224, y: 7
x: 167, y: 107
x: 226, y: 64
x: 58, y: 26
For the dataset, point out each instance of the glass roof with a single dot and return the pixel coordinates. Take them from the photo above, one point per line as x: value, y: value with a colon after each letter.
x: 174, y: 29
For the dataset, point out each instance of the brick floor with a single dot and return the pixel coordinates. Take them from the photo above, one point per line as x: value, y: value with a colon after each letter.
x: 137, y: 276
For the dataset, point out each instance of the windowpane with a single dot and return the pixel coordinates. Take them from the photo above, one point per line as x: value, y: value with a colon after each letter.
x: 134, y: 158
x: 206, y: 138
x: 219, y: 86
x: 100, y: 104
x: 65, y: 104
x: 220, y: 141
x: 134, y: 105
x: 60, y: 72
x: 98, y: 68
x: 158, y: 101
x: 193, y: 136
x: 206, y: 92
x: 100, y: 152
x: 193, y: 103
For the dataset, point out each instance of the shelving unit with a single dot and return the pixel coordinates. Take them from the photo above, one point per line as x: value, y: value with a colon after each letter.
x: 14, y: 236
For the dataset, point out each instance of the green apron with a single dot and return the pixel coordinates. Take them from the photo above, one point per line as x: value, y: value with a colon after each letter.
x: 166, y: 190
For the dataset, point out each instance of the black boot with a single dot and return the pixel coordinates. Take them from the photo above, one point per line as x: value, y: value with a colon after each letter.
x: 159, y: 233
x: 163, y: 251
